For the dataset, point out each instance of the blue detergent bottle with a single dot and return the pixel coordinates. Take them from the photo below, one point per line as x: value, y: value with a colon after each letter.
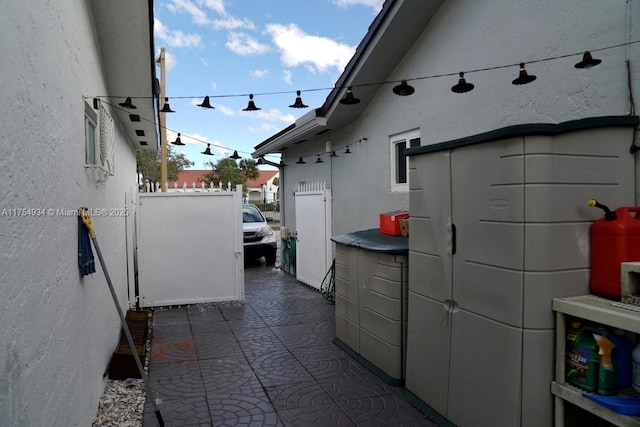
x: 621, y: 357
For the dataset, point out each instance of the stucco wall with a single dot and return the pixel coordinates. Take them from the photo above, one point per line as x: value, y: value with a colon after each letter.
x: 58, y: 331
x: 467, y: 35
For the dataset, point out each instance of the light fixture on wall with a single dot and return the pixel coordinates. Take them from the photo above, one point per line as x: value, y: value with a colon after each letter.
x: 347, y: 151
x: 207, y: 150
x: 298, y: 103
x: 523, y: 78
x: 462, y: 85
x: 166, y: 108
x: 235, y: 155
x: 319, y: 159
x: 333, y: 154
x: 282, y: 163
x: 403, y: 89
x: 587, y: 61
x: 251, y: 106
x: 349, y: 99
x: 205, y: 103
x: 300, y: 161
x: 178, y: 141
x: 128, y: 104
x: 260, y: 160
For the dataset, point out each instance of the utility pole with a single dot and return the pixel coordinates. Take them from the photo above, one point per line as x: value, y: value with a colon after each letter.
x: 163, y: 126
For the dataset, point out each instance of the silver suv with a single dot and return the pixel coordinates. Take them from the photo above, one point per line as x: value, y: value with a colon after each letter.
x: 259, y: 238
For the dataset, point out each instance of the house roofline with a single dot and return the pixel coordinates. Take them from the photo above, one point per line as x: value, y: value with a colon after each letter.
x: 364, y: 70
x: 286, y: 135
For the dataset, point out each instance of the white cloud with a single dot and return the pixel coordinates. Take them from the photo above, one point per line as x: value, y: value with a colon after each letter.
x: 175, y: 38
x: 286, y: 76
x: 198, y: 16
x: 170, y: 61
x: 227, y: 111
x: 233, y: 23
x: 215, y: 5
x: 259, y: 74
x: 263, y: 128
x: 375, y: 4
x: 317, y: 53
x: 244, y: 45
x: 274, y: 115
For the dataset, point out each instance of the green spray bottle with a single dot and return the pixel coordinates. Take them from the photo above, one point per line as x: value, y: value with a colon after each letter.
x: 607, y: 376
x: 582, y: 358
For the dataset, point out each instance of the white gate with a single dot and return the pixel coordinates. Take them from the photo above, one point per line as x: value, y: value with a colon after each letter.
x: 313, y: 233
x: 190, y: 247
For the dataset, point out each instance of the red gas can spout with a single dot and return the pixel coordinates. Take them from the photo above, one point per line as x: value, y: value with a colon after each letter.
x: 608, y: 215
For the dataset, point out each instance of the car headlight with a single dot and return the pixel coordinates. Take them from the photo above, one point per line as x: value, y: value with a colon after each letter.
x: 265, y: 231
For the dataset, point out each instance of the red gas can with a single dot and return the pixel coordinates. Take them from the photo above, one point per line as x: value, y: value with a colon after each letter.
x: 614, y: 239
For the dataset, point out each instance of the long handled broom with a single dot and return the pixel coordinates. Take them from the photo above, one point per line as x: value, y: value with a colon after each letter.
x: 86, y: 219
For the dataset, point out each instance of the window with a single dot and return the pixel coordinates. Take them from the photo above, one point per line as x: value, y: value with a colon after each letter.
x: 90, y: 124
x: 99, y: 135
x: 399, y: 161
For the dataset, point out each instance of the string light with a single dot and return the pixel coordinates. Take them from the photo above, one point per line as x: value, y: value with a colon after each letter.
x: 585, y: 63
x: 402, y: 88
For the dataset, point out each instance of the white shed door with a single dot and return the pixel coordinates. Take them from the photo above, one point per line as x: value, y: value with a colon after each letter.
x: 313, y: 230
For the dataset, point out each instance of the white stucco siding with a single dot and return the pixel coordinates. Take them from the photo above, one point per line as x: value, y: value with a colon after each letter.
x: 468, y: 35
x: 474, y: 35
x: 58, y: 330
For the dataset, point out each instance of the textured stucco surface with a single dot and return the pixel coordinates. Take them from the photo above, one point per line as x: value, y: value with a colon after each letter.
x: 58, y: 331
x: 467, y: 35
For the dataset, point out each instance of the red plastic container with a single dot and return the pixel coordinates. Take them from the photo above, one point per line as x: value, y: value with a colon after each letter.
x: 613, y: 242
x: 389, y: 222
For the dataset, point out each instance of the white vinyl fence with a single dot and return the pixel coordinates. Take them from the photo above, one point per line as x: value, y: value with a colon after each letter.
x: 189, y: 247
x: 314, y: 251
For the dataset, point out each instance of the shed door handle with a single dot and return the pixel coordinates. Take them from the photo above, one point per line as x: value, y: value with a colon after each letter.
x: 453, y: 239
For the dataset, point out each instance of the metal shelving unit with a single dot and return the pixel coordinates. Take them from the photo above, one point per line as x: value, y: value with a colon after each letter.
x: 595, y: 309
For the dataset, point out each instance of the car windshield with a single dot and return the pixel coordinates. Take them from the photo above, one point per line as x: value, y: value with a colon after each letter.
x: 251, y: 214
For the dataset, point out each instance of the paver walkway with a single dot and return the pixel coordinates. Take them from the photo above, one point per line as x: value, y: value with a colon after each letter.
x: 266, y: 361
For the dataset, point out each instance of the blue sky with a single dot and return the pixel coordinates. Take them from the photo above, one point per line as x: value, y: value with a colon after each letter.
x: 227, y: 49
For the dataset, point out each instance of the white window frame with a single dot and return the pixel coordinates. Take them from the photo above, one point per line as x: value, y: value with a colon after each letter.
x: 395, y: 174
x: 99, y: 140
x: 90, y: 135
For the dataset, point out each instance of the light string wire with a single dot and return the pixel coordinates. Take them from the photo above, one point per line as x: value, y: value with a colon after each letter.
x: 117, y: 107
x: 352, y: 86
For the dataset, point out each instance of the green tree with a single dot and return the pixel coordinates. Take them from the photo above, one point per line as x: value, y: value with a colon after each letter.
x: 225, y: 170
x: 148, y: 165
x: 276, y: 181
x: 249, y: 169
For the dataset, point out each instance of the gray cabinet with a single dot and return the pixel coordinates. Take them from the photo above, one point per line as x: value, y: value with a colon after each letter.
x: 498, y: 230
x: 371, y: 298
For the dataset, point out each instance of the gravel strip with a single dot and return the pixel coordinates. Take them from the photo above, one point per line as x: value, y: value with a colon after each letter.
x: 122, y: 402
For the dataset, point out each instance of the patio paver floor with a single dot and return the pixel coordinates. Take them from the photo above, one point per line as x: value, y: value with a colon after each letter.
x: 265, y: 361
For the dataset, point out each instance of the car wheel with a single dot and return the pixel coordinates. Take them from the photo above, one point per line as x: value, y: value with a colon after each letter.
x: 270, y: 257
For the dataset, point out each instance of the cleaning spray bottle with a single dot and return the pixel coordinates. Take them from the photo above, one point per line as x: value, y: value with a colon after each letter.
x: 621, y: 357
x: 607, y: 377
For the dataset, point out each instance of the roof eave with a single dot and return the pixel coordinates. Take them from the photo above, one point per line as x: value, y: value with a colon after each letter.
x: 306, y: 126
x: 124, y: 31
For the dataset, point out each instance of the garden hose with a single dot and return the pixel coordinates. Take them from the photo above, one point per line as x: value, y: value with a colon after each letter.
x: 289, y: 255
x: 328, y: 285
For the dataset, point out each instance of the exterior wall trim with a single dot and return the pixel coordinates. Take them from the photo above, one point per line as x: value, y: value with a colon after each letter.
x: 528, y: 130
